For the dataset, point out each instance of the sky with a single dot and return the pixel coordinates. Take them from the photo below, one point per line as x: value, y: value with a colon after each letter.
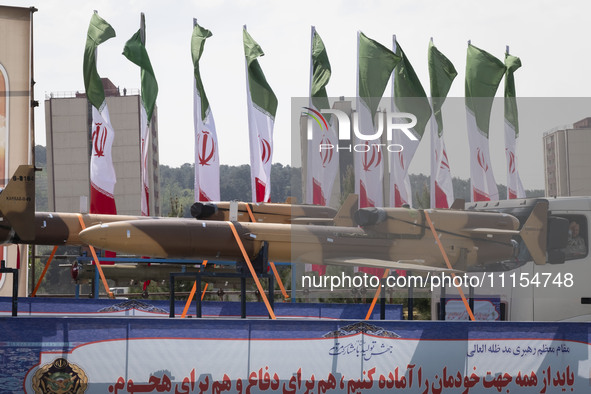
x: 550, y: 37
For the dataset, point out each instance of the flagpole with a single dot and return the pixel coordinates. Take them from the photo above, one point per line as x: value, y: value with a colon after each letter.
x: 247, y: 87
x: 96, y: 51
x: 356, y: 180
x: 389, y: 160
x: 34, y: 104
x: 248, y: 99
x: 357, y: 79
x: 394, y: 47
x: 196, y: 175
x: 309, y: 182
x: 312, y: 32
x: 432, y: 202
x: 246, y: 70
x: 142, y: 28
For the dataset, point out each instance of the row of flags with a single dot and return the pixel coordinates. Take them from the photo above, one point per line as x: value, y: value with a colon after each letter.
x: 102, y: 171
x: 376, y: 66
x: 262, y: 107
x: 483, y: 76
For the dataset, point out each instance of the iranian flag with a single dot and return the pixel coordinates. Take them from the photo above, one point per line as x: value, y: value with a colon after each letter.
x: 514, y: 186
x: 441, y: 75
x: 323, y: 163
x: 408, y: 97
x: 262, y: 106
x: 102, y: 172
x: 207, y: 161
x: 483, y: 75
x: 135, y: 51
x: 374, y: 67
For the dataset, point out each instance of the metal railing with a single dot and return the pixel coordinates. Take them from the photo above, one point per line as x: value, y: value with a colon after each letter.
x: 81, y: 93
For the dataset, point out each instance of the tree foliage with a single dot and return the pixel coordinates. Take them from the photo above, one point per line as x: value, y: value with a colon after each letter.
x: 177, y: 185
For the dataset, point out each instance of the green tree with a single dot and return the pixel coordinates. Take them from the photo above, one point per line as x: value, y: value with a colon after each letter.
x: 347, y: 183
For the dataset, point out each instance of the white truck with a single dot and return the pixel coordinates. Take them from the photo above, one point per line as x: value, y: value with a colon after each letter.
x: 520, y: 290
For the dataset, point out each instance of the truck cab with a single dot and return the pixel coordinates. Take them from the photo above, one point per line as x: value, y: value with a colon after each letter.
x: 521, y: 290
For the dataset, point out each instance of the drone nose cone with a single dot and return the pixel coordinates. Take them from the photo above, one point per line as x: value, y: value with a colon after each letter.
x: 104, y: 235
x: 95, y: 235
x: 121, y: 237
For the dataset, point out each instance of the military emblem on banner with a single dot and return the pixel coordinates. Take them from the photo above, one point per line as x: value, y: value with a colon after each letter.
x: 60, y: 377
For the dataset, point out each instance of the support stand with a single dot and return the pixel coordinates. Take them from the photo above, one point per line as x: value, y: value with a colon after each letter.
x: 198, y: 277
x: 173, y: 276
x: 14, y: 272
x: 34, y: 293
x: 442, y: 250
x: 471, y: 297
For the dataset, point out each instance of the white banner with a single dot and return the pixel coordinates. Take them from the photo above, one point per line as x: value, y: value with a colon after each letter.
x: 359, y: 363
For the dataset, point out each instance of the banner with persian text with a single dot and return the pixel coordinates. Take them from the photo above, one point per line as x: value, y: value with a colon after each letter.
x: 292, y: 356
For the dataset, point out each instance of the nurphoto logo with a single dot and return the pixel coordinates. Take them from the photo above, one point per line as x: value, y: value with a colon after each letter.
x: 390, y: 124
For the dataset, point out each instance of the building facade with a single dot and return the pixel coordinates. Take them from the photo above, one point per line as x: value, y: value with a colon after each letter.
x: 68, y: 122
x: 566, y: 160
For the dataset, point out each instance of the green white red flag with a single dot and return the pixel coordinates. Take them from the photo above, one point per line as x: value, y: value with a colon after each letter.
x: 375, y: 63
x: 102, y: 172
x: 262, y: 107
x: 322, y: 161
x: 441, y: 75
x: 135, y: 51
x: 514, y: 185
x: 408, y: 97
x: 207, y: 161
x: 323, y: 157
x: 483, y: 75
